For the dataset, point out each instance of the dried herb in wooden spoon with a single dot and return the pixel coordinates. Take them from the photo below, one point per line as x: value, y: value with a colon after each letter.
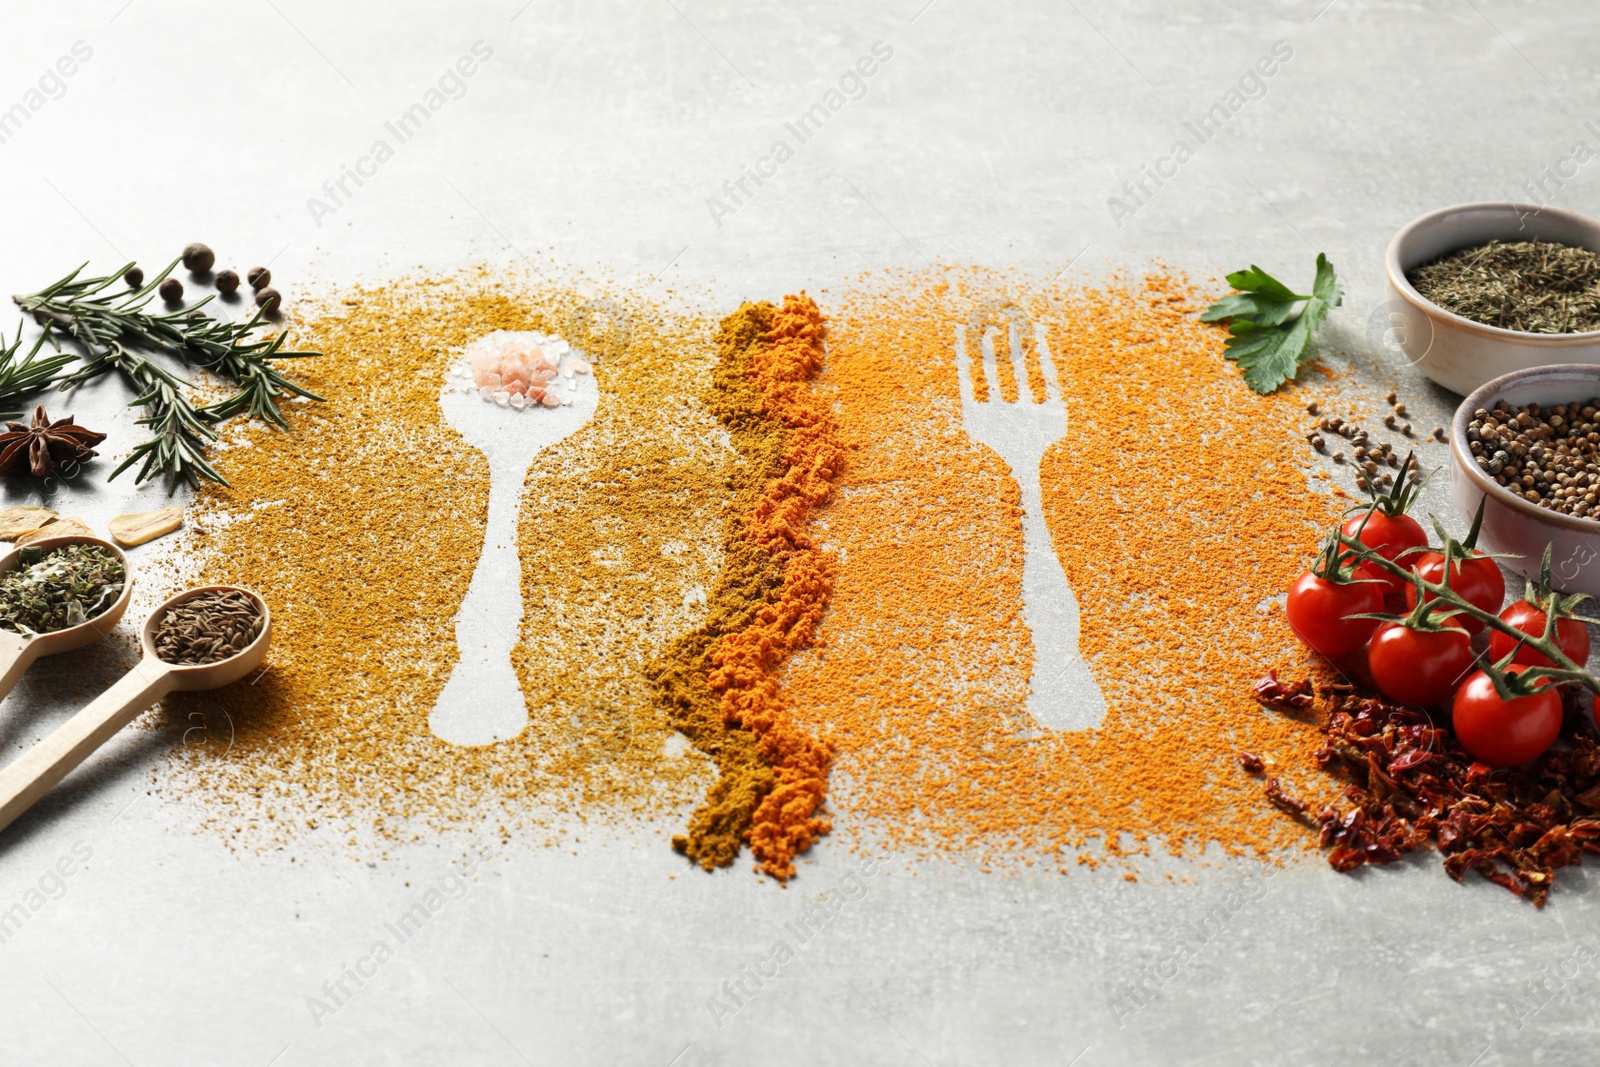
x: 65, y: 587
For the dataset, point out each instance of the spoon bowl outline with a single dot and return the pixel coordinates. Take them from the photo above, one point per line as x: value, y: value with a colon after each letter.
x: 482, y: 702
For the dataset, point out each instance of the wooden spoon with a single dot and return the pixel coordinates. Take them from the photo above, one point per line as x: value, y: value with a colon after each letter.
x: 18, y: 651
x: 33, y: 774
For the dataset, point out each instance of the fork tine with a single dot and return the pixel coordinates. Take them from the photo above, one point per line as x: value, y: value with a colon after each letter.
x: 1019, y: 361
x: 1047, y: 363
x: 991, y: 374
x: 964, y: 366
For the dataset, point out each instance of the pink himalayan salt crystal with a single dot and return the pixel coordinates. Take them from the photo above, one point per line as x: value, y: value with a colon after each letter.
x: 551, y: 400
x: 581, y: 366
x: 513, y: 370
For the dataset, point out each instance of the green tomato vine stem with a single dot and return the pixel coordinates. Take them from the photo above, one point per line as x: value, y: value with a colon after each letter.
x: 1508, y: 686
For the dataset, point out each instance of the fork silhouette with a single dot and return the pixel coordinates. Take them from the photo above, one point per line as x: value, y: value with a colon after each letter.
x: 1062, y: 694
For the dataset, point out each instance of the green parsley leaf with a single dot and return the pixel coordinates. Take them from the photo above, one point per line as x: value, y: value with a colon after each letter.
x: 1270, y: 325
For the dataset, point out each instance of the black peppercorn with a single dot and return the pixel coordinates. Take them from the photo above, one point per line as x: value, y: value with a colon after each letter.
x: 227, y: 281
x: 134, y: 277
x: 259, y: 277
x: 268, y: 299
x: 198, y: 258
x: 171, y: 290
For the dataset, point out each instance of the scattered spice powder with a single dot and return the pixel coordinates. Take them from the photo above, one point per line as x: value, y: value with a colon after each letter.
x: 1178, y: 510
x: 619, y: 535
x: 720, y: 682
x: 1174, y: 498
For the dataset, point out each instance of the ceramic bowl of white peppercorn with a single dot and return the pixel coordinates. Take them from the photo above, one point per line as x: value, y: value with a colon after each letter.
x: 1457, y: 352
x: 1514, y: 527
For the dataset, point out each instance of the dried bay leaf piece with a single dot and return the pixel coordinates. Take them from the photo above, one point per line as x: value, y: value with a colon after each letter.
x: 24, y: 518
x: 69, y: 526
x: 135, y: 528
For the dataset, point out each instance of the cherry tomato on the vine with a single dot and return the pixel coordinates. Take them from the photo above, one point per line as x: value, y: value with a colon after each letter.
x: 1571, y: 635
x: 1419, y: 667
x: 1505, y: 733
x: 1477, y: 579
x: 1319, y: 611
x: 1388, y: 536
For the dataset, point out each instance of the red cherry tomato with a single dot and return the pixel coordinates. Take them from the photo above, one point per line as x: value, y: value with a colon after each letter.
x: 1502, y: 733
x: 1571, y: 635
x: 1388, y: 536
x: 1319, y: 611
x: 1419, y: 667
x: 1477, y: 579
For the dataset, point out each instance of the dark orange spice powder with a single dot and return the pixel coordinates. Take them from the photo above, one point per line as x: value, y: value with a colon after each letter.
x: 1178, y: 509
x: 720, y: 682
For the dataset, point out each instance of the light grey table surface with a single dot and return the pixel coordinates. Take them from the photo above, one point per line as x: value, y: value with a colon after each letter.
x: 594, y: 135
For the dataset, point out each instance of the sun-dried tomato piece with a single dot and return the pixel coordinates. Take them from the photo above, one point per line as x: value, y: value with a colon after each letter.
x: 1415, y: 757
x: 1276, y: 694
x: 1287, y: 803
x: 1344, y: 858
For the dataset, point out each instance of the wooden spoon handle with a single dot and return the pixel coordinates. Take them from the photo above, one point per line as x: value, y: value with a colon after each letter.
x: 17, y: 654
x: 33, y: 774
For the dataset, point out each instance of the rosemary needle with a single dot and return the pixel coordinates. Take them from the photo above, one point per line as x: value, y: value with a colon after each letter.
x: 27, y: 374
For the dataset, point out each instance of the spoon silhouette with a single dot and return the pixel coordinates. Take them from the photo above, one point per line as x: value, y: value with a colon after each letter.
x: 18, y: 651
x: 37, y: 770
x: 482, y: 702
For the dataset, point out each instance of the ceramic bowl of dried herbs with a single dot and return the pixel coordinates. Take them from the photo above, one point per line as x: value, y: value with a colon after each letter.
x: 1481, y: 290
x: 1527, y: 446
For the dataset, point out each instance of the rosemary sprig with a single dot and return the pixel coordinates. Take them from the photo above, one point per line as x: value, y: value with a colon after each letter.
x: 114, y: 328
x: 182, y: 432
x: 29, y: 374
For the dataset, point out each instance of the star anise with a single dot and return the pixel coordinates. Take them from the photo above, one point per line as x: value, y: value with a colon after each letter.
x: 40, y: 448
